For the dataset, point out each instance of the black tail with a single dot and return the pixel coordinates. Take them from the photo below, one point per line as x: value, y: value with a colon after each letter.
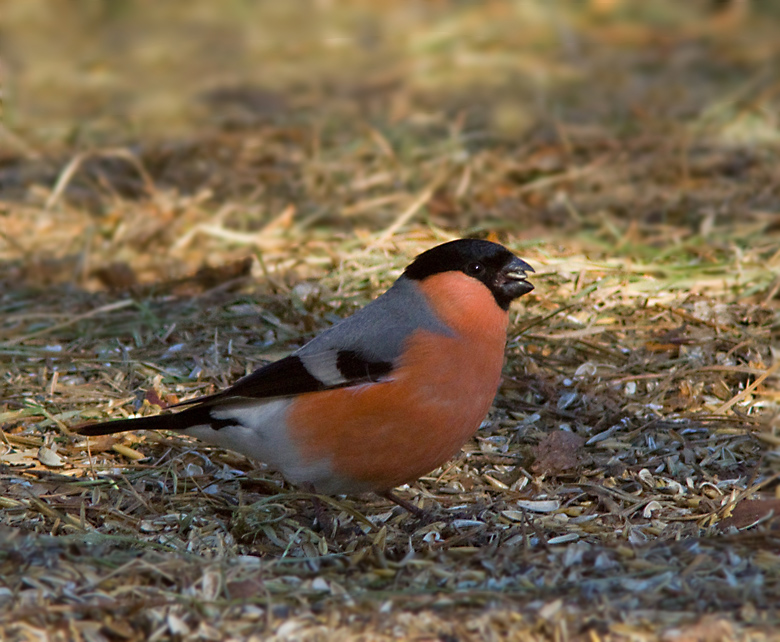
x: 168, y: 421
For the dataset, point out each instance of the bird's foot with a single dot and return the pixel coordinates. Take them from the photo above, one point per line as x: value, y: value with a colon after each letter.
x: 419, y: 513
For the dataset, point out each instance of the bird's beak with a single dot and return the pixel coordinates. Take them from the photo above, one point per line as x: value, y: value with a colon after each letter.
x: 516, y: 273
x: 516, y: 269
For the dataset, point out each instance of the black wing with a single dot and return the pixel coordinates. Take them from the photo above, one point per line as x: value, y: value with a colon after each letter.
x: 290, y: 376
x: 284, y: 378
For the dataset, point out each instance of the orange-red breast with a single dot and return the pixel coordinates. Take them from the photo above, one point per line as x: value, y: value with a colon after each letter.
x: 384, y: 396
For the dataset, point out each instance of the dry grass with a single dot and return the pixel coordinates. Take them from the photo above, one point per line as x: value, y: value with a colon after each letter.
x: 625, y: 485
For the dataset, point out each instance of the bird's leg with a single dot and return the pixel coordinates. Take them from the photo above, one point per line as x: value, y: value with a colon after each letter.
x: 408, y: 506
x: 321, y: 516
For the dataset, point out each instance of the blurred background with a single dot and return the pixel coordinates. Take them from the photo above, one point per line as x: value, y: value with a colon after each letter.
x: 140, y: 139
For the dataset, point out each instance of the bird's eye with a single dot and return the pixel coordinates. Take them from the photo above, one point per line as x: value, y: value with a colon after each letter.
x: 475, y: 268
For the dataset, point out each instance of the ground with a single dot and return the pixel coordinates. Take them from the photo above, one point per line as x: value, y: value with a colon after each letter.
x: 189, y: 190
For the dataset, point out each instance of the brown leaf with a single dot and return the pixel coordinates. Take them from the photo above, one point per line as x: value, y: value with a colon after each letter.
x: 116, y: 276
x: 750, y: 511
x: 153, y: 398
x: 558, y: 452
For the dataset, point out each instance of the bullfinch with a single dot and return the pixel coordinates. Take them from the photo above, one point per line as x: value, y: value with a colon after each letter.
x: 382, y: 397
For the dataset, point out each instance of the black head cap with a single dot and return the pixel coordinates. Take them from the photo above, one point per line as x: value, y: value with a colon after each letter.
x: 492, y: 264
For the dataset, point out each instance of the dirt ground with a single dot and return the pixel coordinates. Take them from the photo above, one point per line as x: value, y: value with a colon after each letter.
x: 190, y: 190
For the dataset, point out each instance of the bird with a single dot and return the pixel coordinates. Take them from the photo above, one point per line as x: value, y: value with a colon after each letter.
x: 380, y: 398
